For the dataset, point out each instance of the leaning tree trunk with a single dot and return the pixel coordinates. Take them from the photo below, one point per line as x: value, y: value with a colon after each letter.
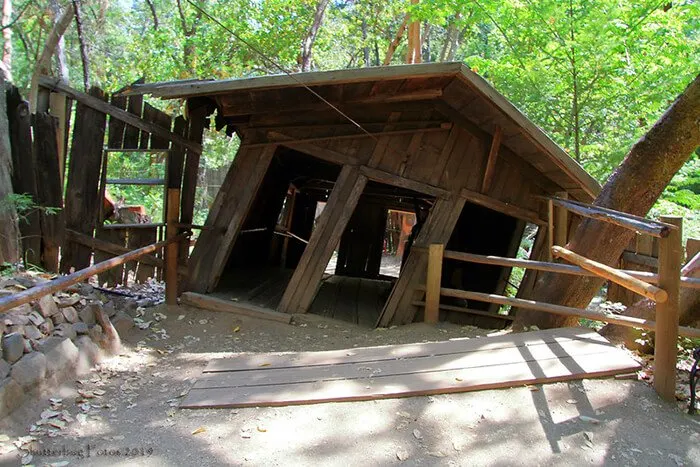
x: 634, y: 188
x: 308, y: 41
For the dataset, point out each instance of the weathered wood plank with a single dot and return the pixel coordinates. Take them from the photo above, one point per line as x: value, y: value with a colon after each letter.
x: 500, y: 206
x: 491, y: 161
x: 306, y: 279
x: 438, y: 228
x: 209, y: 303
x: 23, y: 172
x: 396, y: 180
x: 57, y: 86
x: 226, y: 217
x: 50, y: 190
x: 82, y: 190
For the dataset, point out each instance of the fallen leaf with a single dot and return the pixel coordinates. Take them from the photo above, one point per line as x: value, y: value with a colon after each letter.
x: 199, y: 430
x: 417, y: 434
x: 262, y: 429
x: 436, y: 453
x: 459, y: 379
x: 592, y: 420
x: 99, y: 392
x: 264, y: 364
x: 571, y: 401
x: 236, y: 329
x: 402, y: 454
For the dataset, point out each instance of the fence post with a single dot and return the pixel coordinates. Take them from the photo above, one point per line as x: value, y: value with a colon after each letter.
x: 433, y: 283
x: 667, y: 313
x: 171, y: 230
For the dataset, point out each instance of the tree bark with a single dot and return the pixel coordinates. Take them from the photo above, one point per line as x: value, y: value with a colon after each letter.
x: 43, y: 64
x: 396, y: 41
x: 9, y: 232
x: 634, y: 187
x: 308, y: 42
x: 6, y: 63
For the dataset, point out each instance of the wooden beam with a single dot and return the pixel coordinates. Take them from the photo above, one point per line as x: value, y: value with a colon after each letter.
x: 561, y: 222
x: 491, y: 162
x: 58, y: 86
x: 438, y: 228
x: 61, y: 283
x: 470, y: 311
x: 433, y: 283
x: 606, y: 272
x: 285, y: 139
x: 171, y: 231
x: 622, y: 219
x: 307, y: 276
x: 501, y: 206
x: 395, y: 180
x: 207, y: 302
x: 668, y: 312
x: 226, y: 216
x: 325, y: 154
x: 564, y: 311
x: 174, y: 89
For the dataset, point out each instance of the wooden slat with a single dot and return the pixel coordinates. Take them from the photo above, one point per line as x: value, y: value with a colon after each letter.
x: 433, y: 283
x: 461, y: 309
x: 413, y: 369
x: 57, y: 86
x: 399, y: 351
x: 491, y: 161
x: 136, y: 181
x: 210, y: 303
x: 478, y: 361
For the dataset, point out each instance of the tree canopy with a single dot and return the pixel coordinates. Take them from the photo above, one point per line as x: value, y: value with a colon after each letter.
x: 593, y: 74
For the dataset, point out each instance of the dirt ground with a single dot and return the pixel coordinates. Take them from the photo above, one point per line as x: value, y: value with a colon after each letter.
x: 137, y: 422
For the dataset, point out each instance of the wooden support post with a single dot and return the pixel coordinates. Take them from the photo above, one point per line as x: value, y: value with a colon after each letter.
x: 433, y: 283
x: 172, y: 218
x: 550, y: 229
x: 491, y: 161
x: 307, y: 276
x: 561, y: 222
x: 667, y: 313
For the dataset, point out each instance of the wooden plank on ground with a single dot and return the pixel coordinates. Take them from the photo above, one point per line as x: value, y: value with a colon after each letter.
x: 406, y: 370
x: 217, y: 304
x: 399, y: 351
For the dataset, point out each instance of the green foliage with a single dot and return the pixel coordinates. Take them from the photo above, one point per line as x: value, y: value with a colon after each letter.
x: 23, y: 205
x: 594, y: 75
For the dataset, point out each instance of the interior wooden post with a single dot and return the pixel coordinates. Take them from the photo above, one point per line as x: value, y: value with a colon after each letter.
x: 667, y: 313
x: 172, y: 218
x: 433, y: 283
x: 307, y: 276
x: 437, y: 229
x: 561, y: 222
x: 550, y: 229
x: 226, y: 217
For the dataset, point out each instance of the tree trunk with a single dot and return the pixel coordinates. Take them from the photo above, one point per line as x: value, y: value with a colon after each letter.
x: 396, y: 41
x: 308, y: 42
x: 43, y: 64
x: 6, y: 63
x: 633, y: 188
x: 9, y: 233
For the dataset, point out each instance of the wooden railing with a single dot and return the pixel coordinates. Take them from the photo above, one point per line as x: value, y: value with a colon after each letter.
x: 171, y: 257
x: 663, y: 287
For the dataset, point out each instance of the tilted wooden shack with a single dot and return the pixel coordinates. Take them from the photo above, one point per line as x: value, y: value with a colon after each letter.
x: 435, y: 139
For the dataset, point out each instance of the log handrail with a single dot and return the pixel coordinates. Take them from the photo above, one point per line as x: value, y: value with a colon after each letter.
x: 60, y: 283
x: 649, y: 277
x: 622, y: 219
x: 604, y: 271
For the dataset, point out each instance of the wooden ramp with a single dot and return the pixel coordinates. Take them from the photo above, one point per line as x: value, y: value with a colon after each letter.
x: 407, y: 370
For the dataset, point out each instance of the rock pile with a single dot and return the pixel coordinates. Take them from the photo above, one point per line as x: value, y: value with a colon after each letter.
x: 46, y: 342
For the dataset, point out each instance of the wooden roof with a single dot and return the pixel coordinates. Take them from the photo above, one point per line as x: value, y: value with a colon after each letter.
x: 451, y: 89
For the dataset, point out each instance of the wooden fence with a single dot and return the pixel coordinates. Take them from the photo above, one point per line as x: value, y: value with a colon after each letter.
x: 662, y: 287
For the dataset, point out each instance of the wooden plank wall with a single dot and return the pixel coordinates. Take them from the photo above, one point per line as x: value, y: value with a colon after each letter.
x: 82, y: 188
x: 23, y: 174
